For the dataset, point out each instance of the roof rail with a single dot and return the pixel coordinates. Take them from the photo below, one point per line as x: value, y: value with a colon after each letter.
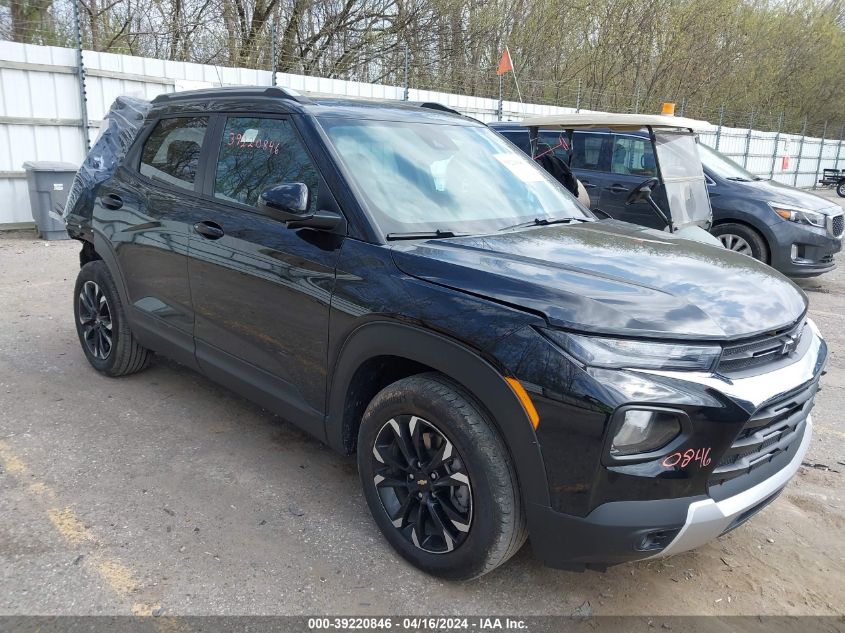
x: 433, y: 105
x: 229, y: 91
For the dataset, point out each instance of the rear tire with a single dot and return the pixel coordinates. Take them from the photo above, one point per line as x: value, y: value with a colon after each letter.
x: 840, y: 189
x: 101, y: 324
x: 742, y: 239
x: 472, y: 518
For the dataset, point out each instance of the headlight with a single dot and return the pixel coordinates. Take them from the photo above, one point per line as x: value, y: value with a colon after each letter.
x: 799, y: 215
x: 615, y: 353
x: 644, y: 431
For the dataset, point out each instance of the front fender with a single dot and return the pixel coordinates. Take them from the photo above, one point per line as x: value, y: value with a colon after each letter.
x: 476, y: 375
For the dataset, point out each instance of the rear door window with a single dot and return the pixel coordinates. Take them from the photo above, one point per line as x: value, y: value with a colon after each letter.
x: 589, y: 151
x: 633, y: 155
x: 171, y: 152
x: 257, y: 153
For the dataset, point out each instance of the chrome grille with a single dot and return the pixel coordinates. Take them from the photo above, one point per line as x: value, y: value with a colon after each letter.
x: 762, y: 350
x: 772, y: 429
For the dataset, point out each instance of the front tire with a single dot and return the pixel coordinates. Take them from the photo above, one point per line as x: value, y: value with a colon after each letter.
x: 438, y: 479
x: 840, y: 189
x: 102, y: 326
x: 742, y: 239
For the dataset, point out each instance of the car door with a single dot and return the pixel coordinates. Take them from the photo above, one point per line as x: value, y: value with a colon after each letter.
x: 590, y: 162
x: 146, y: 212
x: 261, y: 291
x: 631, y: 162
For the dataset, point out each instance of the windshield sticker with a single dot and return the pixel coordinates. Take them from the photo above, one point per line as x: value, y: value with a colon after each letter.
x: 519, y: 167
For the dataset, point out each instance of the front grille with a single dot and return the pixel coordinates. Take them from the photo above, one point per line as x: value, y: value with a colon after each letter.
x: 762, y: 350
x: 771, y: 430
x: 837, y: 225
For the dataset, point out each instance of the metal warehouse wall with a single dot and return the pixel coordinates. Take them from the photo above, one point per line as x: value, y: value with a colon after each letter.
x: 40, y: 113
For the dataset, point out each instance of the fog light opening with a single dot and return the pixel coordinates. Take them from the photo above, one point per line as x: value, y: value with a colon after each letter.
x: 644, y: 431
x: 657, y: 540
x: 798, y: 253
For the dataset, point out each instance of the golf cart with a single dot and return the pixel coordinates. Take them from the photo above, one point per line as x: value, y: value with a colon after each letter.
x: 641, y: 168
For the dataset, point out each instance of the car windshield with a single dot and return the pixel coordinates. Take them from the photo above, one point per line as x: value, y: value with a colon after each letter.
x: 419, y: 177
x: 723, y: 166
x: 683, y: 177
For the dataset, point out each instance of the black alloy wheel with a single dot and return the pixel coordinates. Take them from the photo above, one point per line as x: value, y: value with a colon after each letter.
x: 101, y: 324
x: 439, y: 479
x: 95, y: 320
x: 423, y: 484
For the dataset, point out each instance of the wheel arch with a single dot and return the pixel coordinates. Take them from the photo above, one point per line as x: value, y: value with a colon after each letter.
x: 88, y: 253
x: 420, y: 350
x: 759, y: 230
x: 100, y: 248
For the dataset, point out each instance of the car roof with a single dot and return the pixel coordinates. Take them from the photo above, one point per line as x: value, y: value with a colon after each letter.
x: 607, y: 120
x: 285, y: 100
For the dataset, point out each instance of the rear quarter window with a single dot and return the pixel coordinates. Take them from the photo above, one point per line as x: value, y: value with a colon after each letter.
x: 520, y: 138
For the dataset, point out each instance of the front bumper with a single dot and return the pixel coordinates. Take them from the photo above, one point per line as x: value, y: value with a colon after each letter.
x: 632, y: 521
x: 801, y: 251
x: 708, y: 519
x: 619, y: 532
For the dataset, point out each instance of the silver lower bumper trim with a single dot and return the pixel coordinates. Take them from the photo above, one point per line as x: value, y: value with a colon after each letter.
x: 707, y: 519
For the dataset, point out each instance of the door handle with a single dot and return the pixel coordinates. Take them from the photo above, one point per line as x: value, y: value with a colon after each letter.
x: 112, y: 201
x: 208, y: 229
x: 587, y: 184
x: 618, y: 189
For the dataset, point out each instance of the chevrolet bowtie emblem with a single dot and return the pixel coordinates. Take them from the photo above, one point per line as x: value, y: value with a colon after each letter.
x: 422, y: 482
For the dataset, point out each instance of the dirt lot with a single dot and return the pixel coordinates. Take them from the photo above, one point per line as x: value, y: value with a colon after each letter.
x: 164, y: 493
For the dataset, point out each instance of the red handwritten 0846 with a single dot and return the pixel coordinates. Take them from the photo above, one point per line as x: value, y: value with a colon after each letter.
x: 701, y: 456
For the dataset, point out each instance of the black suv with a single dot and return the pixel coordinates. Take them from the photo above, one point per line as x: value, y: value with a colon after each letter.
x: 406, y: 285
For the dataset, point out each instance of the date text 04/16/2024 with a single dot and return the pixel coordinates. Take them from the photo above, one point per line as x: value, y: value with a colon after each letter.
x: 417, y: 623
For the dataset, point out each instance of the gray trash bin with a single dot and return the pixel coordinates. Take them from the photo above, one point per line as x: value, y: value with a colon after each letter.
x: 49, y: 183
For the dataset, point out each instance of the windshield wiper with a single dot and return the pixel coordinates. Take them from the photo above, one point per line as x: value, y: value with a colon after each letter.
x: 423, y: 235
x: 543, y: 222
x: 737, y: 179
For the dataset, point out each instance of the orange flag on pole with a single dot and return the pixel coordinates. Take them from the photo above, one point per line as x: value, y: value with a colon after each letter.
x: 505, y: 63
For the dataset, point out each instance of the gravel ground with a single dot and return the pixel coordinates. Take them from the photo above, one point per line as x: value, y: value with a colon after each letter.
x: 164, y: 493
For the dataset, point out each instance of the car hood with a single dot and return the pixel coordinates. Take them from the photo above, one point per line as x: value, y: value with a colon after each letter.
x: 615, y: 278
x: 773, y: 191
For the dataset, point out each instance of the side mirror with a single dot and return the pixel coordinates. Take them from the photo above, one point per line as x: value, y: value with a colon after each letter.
x: 289, y: 202
x: 286, y: 201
